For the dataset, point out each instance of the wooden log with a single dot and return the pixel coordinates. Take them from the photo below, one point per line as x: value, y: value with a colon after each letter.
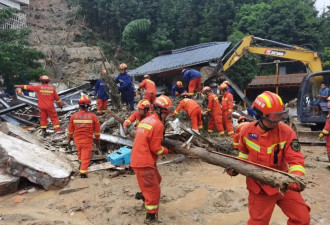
x: 276, y: 179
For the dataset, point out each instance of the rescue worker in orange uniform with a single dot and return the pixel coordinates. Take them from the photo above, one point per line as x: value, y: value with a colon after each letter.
x: 227, y: 103
x: 326, y: 131
x: 82, y: 126
x: 46, y: 96
x: 146, y: 149
x: 149, y: 87
x: 274, y: 144
x: 242, y: 121
x: 142, y: 112
x: 193, y: 109
x: 213, y: 108
x: 194, y: 78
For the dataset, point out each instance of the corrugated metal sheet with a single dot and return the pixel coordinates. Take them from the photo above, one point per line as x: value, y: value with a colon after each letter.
x: 183, y: 57
x: 285, y: 79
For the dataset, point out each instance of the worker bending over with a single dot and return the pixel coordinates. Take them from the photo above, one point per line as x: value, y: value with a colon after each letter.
x: 272, y: 143
x: 215, y: 111
x: 142, y: 112
x: 227, y: 103
x: 177, y: 89
x: 46, y: 96
x: 326, y: 131
x: 146, y: 149
x: 82, y: 126
x: 193, y: 109
x: 149, y: 87
x: 194, y: 78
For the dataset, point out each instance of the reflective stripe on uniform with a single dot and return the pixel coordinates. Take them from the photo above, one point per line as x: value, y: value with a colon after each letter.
x: 236, y: 143
x: 210, y: 131
x: 83, y: 171
x: 175, y: 112
x: 160, y: 151
x: 59, y: 100
x: 151, y: 207
x: 243, y: 156
x: 191, y: 93
x: 208, y: 110
x: 222, y: 132
x: 43, y: 126
x: 325, y: 131
x: 282, y: 144
x: 56, y: 126
x: 297, y: 168
x: 200, y: 127
x: 70, y: 132
x: 230, y: 132
x: 252, y: 145
x: 96, y: 134
x: 271, y: 148
x: 46, y: 91
x: 230, y: 110
x: 215, y: 98
x: 82, y: 121
x: 128, y: 121
x: 145, y: 126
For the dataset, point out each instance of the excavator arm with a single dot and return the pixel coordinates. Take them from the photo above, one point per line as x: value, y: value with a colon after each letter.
x: 310, y: 59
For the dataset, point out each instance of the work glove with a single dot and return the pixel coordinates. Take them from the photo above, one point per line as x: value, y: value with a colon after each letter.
x: 231, y: 172
x: 295, y: 187
x: 229, y: 116
x: 320, y: 137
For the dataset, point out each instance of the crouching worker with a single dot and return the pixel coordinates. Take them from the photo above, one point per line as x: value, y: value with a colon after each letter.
x: 274, y: 144
x: 146, y: 149
x: 82, y: 126
x: 142, y: 112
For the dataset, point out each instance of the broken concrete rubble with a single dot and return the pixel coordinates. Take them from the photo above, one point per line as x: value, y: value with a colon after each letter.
x: 38, y: 165
x: 8, y: 183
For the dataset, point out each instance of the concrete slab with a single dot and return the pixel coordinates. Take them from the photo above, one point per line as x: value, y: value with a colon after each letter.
x: 23, y: 159
x: 20, y: 133
x: 8, y: 183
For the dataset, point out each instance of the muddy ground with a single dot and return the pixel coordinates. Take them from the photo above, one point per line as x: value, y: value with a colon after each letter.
x: 193, y: 192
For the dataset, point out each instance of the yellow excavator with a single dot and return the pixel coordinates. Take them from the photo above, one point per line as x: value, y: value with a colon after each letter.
x: 308, y: 88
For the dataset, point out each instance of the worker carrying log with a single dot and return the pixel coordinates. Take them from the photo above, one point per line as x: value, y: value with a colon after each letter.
x: 194, y: 78
x: 101, y: 91
x: 215, y: 111
x: 142, y: 112
x: 242, y: 121
x: 326, y: 131
x: 193, y: 109
x: 177, y: 89
x: 227, y: 103
x: 146, y: 149
x: 82, y: 126
x: 46, y: 96
x: 149, y: 87
x: 126, y: 87
x: 274, y: 144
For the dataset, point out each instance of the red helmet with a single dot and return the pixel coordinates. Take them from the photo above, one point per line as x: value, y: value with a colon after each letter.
x: 146, y: 76
x: 270, y: 105
x: 179, y: 84
x: 143, y: 104
x: 84, y: 101
x: 44, y: 78
x: 164, y: 103
x: 184, y: 70
x: 242, y: 119
x: 123, y: 66
x: 223, y: 86
x: 206, y: 89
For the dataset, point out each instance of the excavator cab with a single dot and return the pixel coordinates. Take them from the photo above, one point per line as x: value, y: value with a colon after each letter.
x: 307, y: 97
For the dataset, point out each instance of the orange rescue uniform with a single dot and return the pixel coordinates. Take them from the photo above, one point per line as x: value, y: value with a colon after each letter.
x: 326, y: 132
x: 146, y: 149
x: 194, y: 111
x: 46, y: 96
x: 215, y: 119
x: 227, y: 109
x: 82, y: 126
x: 278, y: 148
x: 135, y: 117
x: 237, y: 133
x: 195, y: 83
x: 150, y: 90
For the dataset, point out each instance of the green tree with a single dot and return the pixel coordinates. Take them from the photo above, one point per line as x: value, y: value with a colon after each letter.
x: 16, y: 58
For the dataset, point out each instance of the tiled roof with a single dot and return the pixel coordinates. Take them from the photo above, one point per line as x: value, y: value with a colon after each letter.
x: 285, y: 79
x: 183, y: 57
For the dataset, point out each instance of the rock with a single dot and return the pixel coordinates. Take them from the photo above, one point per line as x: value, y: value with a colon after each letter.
x: 23, y: 159
x: 8, y: 183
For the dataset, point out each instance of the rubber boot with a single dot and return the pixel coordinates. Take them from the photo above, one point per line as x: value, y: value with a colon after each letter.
x: 83, y: 175
x: 139, y: 196
x: 151, y: 218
